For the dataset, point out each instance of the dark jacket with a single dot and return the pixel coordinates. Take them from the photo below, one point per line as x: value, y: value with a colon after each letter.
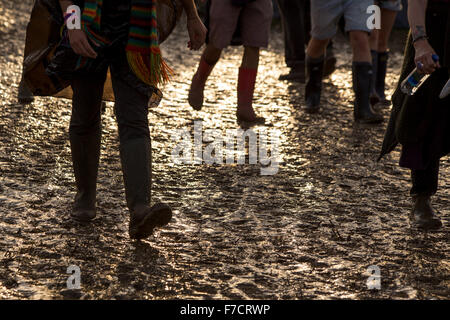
x: 43, y: 73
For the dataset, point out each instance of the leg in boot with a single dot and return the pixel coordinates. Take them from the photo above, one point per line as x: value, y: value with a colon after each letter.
x: 293, y: 19
x: 315, y: 55
x: 425, y: 217
x: 362, y: 80
x: 313, y: 89
x: 425, y: 183
x: 85, y: 136
x: 135, y: 152
x: 85, y: 157
x: 388, y: 14
x: 330, y: 61
x: 296, y: 73
x: 135, y: 156
x: 207, y: 63
x: 380, y: 83
x: 374, y: 98
x: 373, y: 42
x: 246, y: 86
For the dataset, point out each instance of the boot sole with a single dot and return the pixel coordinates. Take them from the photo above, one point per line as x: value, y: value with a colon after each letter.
x: 159, y: 215
x: 249, y: 123
x: 81, y: 219
x: 431, y: 225
x: 374, y: 121
x: 25, y: 100
x: 312, y: 110
x: 299, y: 79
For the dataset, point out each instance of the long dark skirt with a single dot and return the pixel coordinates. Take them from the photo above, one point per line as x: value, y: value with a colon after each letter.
x: 421, y: 123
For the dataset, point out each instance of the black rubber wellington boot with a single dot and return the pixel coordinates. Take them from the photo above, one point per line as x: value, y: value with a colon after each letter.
x: 362, y: 82
x: 330, y: 62
x: 296, y: 73
x: 85, y: 158
x: 135, y: 156
x: 313, y: 89
x: 425, y: 217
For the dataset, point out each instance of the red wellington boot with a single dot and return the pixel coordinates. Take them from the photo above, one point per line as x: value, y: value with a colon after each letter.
x: 246, y: 88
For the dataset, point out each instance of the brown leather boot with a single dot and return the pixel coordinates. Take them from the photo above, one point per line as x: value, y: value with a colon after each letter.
x: 425, y: 217
x: 24, y: 96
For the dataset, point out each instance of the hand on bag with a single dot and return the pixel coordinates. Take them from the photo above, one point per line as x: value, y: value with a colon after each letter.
x: 423, y: 59
x: 197, y: 33
x: 80, y: 44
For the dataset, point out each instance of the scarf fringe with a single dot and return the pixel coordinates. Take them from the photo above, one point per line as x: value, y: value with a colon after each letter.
x: 150, y: 68
x: 142, y: 51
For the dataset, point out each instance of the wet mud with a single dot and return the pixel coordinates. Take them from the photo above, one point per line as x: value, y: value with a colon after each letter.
x: 308, y: 232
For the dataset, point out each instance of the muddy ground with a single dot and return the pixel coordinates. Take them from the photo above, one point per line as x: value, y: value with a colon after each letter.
x: 308, y: 232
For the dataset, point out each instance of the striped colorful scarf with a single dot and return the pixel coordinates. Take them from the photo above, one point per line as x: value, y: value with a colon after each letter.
x: 142, y: 50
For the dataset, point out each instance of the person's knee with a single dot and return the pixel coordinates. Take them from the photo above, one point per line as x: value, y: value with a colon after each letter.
x: 316, y: 47
x: 83, y: 127
x: 359, y: 40
x: 133, y: 123
x: 133, y: 130
x: 212, y: 54
x: 85, y: 120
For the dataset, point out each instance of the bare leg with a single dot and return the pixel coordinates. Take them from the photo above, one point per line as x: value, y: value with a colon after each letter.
x: 211, y: 54
x: 362, y: 78
x: 387, y: 22
x: 316, y: 48
x: 250, y: 59
x: 373, y: 39
x: 360, y: 45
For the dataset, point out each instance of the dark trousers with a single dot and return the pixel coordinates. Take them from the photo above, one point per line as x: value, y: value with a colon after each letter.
x: 296, y: 19
x: 130, y: 108
x: 425, y: 182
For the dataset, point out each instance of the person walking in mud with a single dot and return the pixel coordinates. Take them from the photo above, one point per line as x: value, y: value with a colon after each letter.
x: 253, y: 19
x: 325, y: 15
x: 379, y: 48
x: 421, y: 122
x: 122, y: 35
x: 296, y: 21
